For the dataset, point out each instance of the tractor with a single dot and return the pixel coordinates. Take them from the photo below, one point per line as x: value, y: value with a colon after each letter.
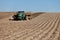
x: 19, y: 16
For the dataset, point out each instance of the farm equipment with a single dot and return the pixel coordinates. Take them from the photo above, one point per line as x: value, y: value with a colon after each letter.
x: 19, y: 16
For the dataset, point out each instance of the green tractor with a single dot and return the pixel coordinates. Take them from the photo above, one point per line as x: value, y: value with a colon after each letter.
x: 19, y: 16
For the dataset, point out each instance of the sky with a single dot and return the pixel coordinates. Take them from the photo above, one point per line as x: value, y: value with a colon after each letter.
x: 30, y: 5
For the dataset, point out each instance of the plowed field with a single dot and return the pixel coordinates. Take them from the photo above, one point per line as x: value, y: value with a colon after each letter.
x: 42, y: 27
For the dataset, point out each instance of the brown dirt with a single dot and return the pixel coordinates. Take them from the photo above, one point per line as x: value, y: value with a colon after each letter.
x: 43, y: 27
x: 6, y: 14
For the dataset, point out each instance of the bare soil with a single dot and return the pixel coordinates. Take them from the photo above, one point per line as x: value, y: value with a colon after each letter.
x: 42, y: 27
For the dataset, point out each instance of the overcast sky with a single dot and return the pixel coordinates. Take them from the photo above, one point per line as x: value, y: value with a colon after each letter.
x: 30, y: 5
